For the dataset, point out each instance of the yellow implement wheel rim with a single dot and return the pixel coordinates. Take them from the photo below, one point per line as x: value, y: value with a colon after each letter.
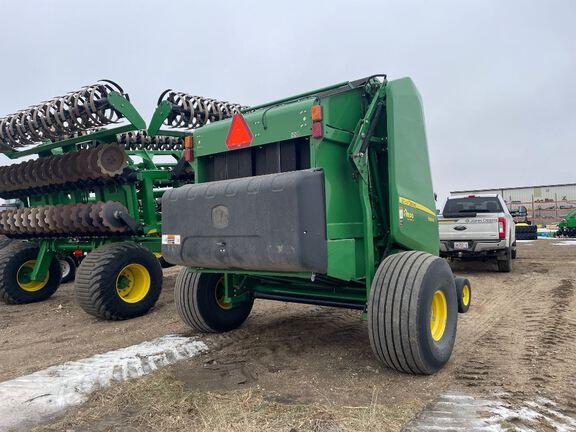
x: 24, y: 281
x: 465, y: 295
x: 438, y: 315
x: 133, y: 283
x: 157, y: 254
x: 219, y: 292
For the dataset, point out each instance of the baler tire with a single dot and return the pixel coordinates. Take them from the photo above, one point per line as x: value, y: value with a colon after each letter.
x: 463, y: 293
x: 407, y: 287
x: 197, y: 304
x: 505, y: 265
x: 98, y: 279
x: 70, y: 266
x: 13, y: 258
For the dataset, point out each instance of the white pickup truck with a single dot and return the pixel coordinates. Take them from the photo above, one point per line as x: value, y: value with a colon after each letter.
x: 478, y: 227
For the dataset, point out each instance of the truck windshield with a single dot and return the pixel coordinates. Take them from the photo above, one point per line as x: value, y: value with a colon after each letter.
x: 473, y: 205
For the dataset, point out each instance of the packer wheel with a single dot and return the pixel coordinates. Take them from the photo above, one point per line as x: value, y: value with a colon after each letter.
x: 200, y: 303
x: 118, y: 281
x: 412, y: 312
x: 17, y: 261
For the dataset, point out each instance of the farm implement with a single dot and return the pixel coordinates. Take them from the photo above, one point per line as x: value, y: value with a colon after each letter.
x: 323, y: 198
x: 94, y: 187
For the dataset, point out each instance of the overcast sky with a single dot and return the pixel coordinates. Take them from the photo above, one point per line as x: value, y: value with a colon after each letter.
x: 497, y: 78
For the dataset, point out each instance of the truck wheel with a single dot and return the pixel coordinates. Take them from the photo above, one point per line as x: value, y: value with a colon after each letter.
x: 68, y: 267
x: 17, y: 261
x: 412, y: 312
x: 118, y: 281
x: 463, y: 293
x: 505, y: 265
x: 199, y: 301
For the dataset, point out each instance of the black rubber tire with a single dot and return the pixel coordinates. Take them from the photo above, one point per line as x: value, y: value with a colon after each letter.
x: 505, y: 265
x: 164, y: 263
x: 460, y: 283
x: 399, y: 311
x: 12, y: 257
x: 527, y: 236
x: 97, y: 276
x: 68, y: 277
x: 195, y: 297
x: 4, y: 241
x: 514, y: 253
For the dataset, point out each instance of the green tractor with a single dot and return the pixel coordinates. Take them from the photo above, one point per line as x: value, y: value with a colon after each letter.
x: 567, y: 226
x: 323, y: 198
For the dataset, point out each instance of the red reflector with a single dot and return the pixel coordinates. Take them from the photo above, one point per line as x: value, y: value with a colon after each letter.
x: 471, y: 196
x: 501, y: 227
x: 317, y: 130
x: 188, y: 155
x: 239, y: 134
x: 77, y: 253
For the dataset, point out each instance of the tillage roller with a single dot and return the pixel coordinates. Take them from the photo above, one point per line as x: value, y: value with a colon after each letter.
x: 95, y: 190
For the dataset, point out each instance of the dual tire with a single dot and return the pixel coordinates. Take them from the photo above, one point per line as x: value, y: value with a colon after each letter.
x: 412, y: 312
x: 118, y: 281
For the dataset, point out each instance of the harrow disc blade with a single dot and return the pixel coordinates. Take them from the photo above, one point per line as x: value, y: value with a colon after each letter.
x: 111, y: 159
x: 109, y: 213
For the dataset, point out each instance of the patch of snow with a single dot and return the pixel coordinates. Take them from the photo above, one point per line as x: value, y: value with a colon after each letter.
x: 30, y: 398
x: 565, y: 243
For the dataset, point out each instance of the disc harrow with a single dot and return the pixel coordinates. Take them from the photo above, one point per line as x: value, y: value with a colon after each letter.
x: 101, y: 162
x: 191, y: 112
x: 85, y: 219
x: 63, y: 117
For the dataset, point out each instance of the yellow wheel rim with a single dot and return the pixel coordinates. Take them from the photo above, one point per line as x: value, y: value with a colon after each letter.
x: 133, y: 283
x: 157, y: 254
x: 465, y: 295
x: 24, y: 277
x: 220, y: 295
x: 438, y: 315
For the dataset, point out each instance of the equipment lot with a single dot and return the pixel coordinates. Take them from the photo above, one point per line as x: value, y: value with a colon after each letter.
x: 296, y: 367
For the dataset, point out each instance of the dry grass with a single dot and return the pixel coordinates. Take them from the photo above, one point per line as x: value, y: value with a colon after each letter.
x: 160, y: 403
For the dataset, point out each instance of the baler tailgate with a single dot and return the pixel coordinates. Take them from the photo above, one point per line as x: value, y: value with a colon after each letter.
x: 412, y: 208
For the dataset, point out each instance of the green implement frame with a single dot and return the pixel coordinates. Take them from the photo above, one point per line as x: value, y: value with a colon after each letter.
x: 149, y: 173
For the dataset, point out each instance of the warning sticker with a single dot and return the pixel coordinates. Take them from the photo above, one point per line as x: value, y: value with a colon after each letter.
x: 170, y: 239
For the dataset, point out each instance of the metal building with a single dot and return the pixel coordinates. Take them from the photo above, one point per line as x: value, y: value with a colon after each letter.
x: 546, y: 204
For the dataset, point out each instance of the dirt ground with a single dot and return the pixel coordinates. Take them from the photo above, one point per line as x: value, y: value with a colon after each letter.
x: 297, y: 367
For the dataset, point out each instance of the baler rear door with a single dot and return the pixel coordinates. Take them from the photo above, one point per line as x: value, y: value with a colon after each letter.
x: 413, y: 221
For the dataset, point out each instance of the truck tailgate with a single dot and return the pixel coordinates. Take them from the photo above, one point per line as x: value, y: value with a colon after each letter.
x: 483, y: 227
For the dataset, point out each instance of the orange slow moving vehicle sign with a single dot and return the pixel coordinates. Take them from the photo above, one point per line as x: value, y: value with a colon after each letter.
x: 239, y: 134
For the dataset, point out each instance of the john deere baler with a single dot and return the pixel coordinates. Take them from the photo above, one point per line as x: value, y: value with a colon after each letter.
x: 323, y: 198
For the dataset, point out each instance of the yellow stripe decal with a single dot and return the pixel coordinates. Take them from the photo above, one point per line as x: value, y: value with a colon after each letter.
x: 414, y: 204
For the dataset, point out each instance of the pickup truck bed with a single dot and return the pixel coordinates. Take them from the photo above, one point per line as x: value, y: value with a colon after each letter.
x: 478, y: 227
